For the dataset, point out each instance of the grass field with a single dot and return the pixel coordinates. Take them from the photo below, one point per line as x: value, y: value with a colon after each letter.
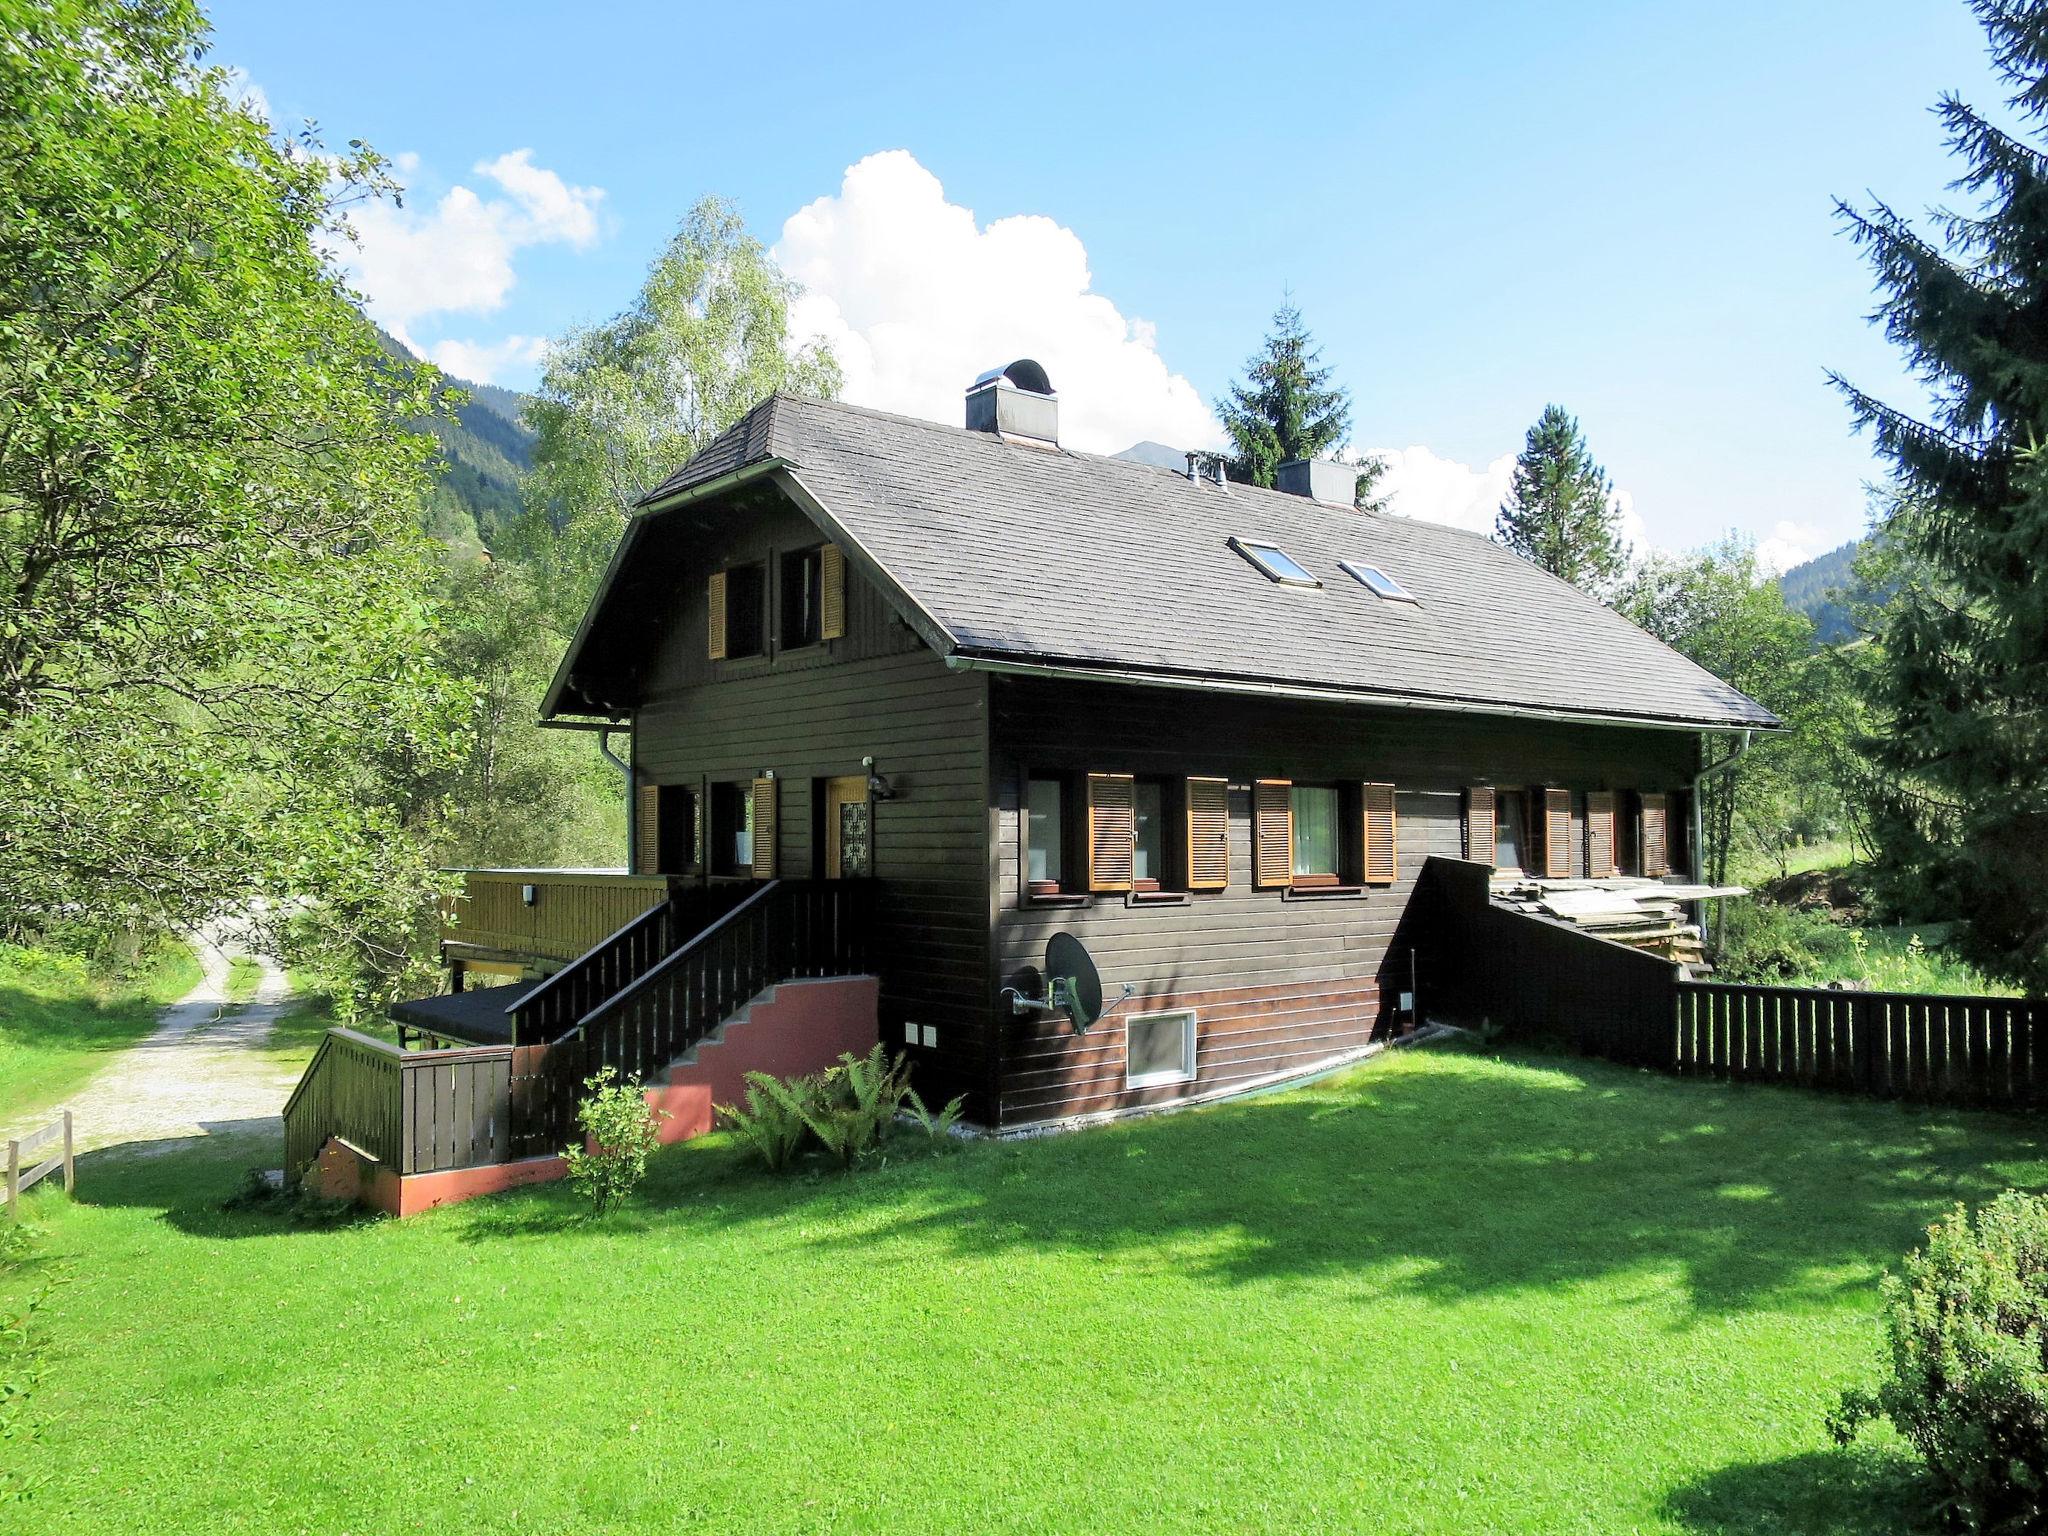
x: 1444, y: 1292
x: 59, y: 1019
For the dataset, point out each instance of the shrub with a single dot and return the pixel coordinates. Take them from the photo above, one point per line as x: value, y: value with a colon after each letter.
x: 1762, y: 941
x: 1967, y: 1328
x: 621, y: 1129
x: 772, y: 1123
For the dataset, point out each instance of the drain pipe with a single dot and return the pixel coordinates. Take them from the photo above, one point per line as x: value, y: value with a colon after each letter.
x: 1699, y: 845
x: 604, y: 745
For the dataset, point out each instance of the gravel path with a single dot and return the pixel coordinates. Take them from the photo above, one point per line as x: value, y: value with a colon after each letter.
x: 199, y: 1073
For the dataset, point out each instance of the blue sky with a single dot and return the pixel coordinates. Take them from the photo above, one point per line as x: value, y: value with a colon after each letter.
x: 1621, y: 207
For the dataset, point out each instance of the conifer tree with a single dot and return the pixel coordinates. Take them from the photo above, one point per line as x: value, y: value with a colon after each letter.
x: 1962, y: 822
x: 1286, y: 407
x: 1560, y: 513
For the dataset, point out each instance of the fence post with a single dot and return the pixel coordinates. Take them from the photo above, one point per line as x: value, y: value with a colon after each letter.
x: 70, y: 1171
x: 13, y: 1178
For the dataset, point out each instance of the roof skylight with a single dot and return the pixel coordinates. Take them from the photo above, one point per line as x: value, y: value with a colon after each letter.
x: 1379, y: 582
x: 1275, y: 563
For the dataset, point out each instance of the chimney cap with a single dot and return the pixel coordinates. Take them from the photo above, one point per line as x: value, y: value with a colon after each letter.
x: 1024, y: 374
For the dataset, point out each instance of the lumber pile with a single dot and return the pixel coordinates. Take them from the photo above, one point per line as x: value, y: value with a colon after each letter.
x: 1645, y: 914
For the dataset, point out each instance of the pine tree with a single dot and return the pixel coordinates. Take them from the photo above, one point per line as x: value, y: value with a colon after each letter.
x: 1560, y: 512
x: 1962, y: 822
x: 1286, y: 407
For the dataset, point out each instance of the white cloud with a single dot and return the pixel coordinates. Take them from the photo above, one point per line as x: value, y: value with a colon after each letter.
x: 245, y: 93
x: 916, y: 298
x: 486, y: 362
x: 457, y: 257
x: 1789, y: 544
x: 1420, y: 483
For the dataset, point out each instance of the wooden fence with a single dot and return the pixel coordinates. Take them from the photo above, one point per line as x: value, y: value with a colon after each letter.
x: 20, y: 1179
x: 426, y: 1111
x: 1530, y: 976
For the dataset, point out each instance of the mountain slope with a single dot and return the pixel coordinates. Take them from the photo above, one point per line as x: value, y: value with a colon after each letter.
x: 1815, y: 589
x: 486, y: 452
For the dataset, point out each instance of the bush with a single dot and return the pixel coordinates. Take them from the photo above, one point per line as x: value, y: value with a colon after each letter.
x: 1764, y: 942
x: 1967, y: 1326
x: 621, y: 1130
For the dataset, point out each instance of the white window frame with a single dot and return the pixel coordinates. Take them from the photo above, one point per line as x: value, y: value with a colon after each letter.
x: 1362, y: 573
x: 1254, y: 550
x: 1188, y: 1045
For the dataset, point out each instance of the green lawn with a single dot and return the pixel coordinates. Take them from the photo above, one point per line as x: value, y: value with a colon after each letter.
x: 59, y: 1019
x: 1444, y: 1292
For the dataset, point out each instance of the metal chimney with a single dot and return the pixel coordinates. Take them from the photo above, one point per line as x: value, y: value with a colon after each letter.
x: 1016, y: 403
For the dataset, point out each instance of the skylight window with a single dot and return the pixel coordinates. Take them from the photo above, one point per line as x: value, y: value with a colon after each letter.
x: 1379, y: 582
x: 1275, y: 563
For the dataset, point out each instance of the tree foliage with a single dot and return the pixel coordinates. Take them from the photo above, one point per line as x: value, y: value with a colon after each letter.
x: 1287, y: 407
x: 1964, y: 641
x: 1560, y: 513
x: 213, y: 601
x: 623, y: 405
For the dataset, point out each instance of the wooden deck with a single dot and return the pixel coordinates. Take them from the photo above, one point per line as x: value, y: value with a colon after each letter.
x: 539, y: 919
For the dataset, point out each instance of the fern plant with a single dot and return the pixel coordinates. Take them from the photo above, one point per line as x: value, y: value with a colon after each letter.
x: 939, y: 1127
x: 773, y: 1123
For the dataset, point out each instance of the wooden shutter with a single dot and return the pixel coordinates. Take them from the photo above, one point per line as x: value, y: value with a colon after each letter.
x: 1557, y: 833
x: 1656, y: 847
x: 1482, y: 837
x: 1382, y: 864
x: 1272, y: 833
x: 831, y: 593
x: 1600, y: 849
x: 764, y: 829
x: 1208, y: 834
x: 647, y: 830
x: 1112, y: 831
x: 717, y: 626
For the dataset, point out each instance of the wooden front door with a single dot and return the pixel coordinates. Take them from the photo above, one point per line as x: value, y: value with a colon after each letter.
x: 849, y: 818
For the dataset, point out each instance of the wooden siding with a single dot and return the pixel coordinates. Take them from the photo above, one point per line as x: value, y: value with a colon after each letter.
x: 1279, y: 980
x: 572, y: 910
x: 926, y: 727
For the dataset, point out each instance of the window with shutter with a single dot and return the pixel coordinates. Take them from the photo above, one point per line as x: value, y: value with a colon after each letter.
x: 1273, y: 833
x: 1600, y: 840
x: 764, y: 861
x: 832, y: 602
x: 1479, y: 825
x: 1382, y: 863
x: 1656, y: 848
x: 647, y: 829
x: 717, y: 626
x: 1112, y: 831
x: 1557, y: 833
x: 1208, y: 834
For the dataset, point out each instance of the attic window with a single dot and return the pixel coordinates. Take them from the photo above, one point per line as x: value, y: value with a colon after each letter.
x: 1275, y: 564
x: 1379, y: 582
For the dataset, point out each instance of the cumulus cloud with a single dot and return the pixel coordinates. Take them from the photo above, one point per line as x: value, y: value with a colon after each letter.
x: 245, y: 93
x: 1789, y: 544
x: 916, y: 297
x: 486, y: 362
x: 456, y: 257
x: 1422, y: 484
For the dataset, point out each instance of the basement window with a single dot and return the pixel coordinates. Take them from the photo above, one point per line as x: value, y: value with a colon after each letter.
x: 1275, y: 564
x: 1159, y: 1048
x: 1379, y: 583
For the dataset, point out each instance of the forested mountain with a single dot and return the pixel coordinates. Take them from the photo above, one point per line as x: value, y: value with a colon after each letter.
x: 486, y: 450
x: 1814, y: 589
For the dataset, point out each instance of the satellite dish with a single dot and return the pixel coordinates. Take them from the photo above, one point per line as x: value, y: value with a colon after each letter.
x: 1074, y: 984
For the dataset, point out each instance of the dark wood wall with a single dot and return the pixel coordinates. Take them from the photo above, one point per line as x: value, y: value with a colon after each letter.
x: 1277, y: 982
x: 814, y: 714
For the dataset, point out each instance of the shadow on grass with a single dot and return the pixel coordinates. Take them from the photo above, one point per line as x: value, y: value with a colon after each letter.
x: 1822, y: 1493
x: 1450, y: 1174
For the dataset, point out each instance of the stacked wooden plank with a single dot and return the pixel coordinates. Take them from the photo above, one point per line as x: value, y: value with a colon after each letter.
x: 1645, y: 914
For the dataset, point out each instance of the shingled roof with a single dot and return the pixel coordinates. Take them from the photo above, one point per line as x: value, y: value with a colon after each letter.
x: 1015, y: 554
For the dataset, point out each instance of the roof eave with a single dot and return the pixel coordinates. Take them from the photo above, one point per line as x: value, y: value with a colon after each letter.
x: 1072, y: 670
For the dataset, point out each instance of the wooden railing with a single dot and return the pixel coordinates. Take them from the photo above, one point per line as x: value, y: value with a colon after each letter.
x: 785, y: 929
x: 425, y: 1111
x: 572, y: 910
x: 1963, y: 1050
x: 23, y: 1176
x: 558, y: 1003
x: 1529, y: 975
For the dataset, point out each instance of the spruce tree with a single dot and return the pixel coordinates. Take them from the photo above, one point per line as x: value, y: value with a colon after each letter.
x: 1286, y: 407
x: 1962, y: 819
x: 1560, y: 513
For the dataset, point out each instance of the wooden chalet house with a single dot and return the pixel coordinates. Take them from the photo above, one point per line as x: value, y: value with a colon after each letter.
x: 1009, y: 689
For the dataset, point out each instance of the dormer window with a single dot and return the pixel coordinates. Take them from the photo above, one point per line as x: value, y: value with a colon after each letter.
x: 1378, y: 582
x: 1275, y: 564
